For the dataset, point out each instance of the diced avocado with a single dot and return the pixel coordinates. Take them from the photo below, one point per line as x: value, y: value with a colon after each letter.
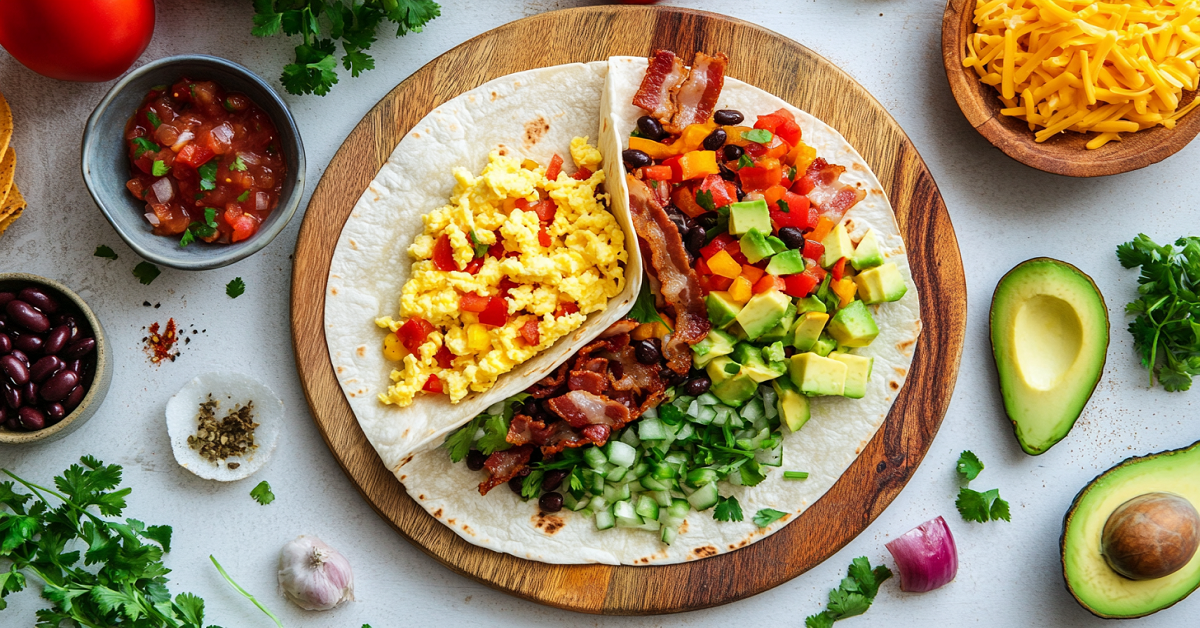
x: 733, y: 389
x: 867, y: 253
x: 837, y: 245
x: 746, y: 354
x: 793, y: 406
x: 881, y: 284
x: 777, y: 245
x: 810, y: 304
x: 788, y: 262
x: 716, y: 343
x: 815, y: 375
x: 762, y: 312
x: 753, y: 364
x: 736, y: 331
x: 808, y: 330
x: 782, y: 330
x: 748, y: 215
x: 721, y: 309
x: 722, y: 368
x: 755, y: 247
x: 853, y: 325
x: 824, y: 345
x: 773, y: 352
x: 858, y: 372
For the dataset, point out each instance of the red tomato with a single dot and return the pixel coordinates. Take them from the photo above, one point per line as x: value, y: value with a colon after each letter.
x: 471, y: 302
x: 193, y: 155
x: 443, y: 254
x: 759, y: 178
x: 717, y: 245
x: 433, y: 385
x: 555, y: 167
x: 544, y: 237
x: 838, y: 269
x: 581, y: 174
x: 799, y: 285
x: 723, y: 193
x: 657, y: 173
x: 529, y: 332
x: 545, y: 210
x: 444, y: 358
x: 413, y: 333
x: 243, y: 227
x: 496, y: 312
x: 813, y: 249
x: 76, y: 40
x: 799, y: 214
x: 566, y: 308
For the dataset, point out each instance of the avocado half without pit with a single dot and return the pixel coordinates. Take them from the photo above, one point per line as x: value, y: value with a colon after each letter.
x: 1130, y: 538
x: 1049, y: 329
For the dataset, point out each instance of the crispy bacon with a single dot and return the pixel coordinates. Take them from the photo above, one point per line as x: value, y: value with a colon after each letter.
x: 598, y: 434
x: 558, y: 436
x: 589, y: 381
x: 503, y: 466
x: 697, y: 96
x: 678, y: 354
x: 547, y: 385
x: 521, y: 429
x: 679, y: 284
x: 634, y: 375
x: 623, y: 326
x: 664, y: 74
x: 581, y: 408
x: 831, y: 197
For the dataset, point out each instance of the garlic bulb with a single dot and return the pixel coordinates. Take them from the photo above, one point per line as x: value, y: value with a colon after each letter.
x: 313, y: 575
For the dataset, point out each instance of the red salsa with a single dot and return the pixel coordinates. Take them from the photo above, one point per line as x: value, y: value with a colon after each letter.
x: 207, y: 162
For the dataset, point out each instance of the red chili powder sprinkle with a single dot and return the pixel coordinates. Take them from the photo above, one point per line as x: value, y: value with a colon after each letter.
x: 161, y: 346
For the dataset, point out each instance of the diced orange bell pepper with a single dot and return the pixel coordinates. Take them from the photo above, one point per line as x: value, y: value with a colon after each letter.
x: 693, y: 136
x: 656, y: 150
x: 777, y: 148
x: 768, y: 283
x: 724, y: 265
x: 684, y: 198
x: 733, y: 135
x: 657, y: 173
x: 740, y: 290
x: 752, y: 273
x: 698, y: 163
x: 845, y: 289
x: 824, y: 226
x: 773, y: 194
x: 801, y: 156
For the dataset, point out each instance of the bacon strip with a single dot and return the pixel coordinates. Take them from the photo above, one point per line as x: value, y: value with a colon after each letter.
x: 679, y: 284
x: 623, y: 326
x: 557, y: 437
x: 589, y: 381
x: 503, y: 466
x: 521, y: 429
x: 831, y: 197
x: 581, y: 408
x: 697, y: 97
x: 664, y: 74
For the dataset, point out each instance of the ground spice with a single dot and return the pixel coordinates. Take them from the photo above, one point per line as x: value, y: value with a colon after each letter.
x: 226, y: 438
x: 161, y: 346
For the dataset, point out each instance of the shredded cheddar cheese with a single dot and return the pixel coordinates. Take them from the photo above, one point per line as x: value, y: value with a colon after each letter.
x: 1077, y: 65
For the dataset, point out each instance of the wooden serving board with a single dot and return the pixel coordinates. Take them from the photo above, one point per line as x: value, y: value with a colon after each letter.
x: 759, y: 57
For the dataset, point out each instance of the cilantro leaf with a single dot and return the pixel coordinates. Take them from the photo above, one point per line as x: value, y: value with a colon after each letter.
x: 820, y: 620
x: 495, y: 430
x: 760, y: 136
x: 704, y: 198
x: 643, y: 309
x: 262, y: 493
x: 459, y: 442
x: 783, y: 206
x: 532, y: 484
x: 235, y: 288
x: 243, y: 196
x: 767, y: 516
x: 238, y: 165
x: 481, y: 248
x: 981, y: 507
x: 146, y: 272
x: 144, y: 145
x: 745, y: 162
x: 728, y: 509
x: 155, y: 121
x: 104, y: 251
x: 208, y: 175
x: 969, y: 466
x: 843, y: 603
x: 854, y: 594
x: 159, y: 168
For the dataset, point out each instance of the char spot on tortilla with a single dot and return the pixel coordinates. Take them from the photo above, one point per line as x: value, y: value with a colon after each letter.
x: 903, y: 346
x: 416, y: 134
x: 450, y: 521
x: 353, y: 244
x: 535, y: 130
x: 901, y: 370
x: 894, y: 385
x: 683, y: 528
x: 495, y: 96
x: 704, y: 551
x: 405, y: 435
x: 467, y: 529
x: 362, y: 351
x: 438, y: 513
x: 341, y: 369
x: 333, y: 291
x: 548, y: 523
x: 503, y: 150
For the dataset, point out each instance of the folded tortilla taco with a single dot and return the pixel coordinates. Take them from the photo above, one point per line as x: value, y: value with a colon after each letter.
x: 775, y: 329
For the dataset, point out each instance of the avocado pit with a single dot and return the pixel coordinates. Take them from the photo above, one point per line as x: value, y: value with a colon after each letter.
x: 1151, y: 536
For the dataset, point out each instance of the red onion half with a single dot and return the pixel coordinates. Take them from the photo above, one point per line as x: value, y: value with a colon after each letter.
x: 926, y: 556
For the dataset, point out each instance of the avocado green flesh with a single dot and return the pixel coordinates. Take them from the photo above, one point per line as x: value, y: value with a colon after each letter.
x: 1049, y: 329
x: 1094, y: 584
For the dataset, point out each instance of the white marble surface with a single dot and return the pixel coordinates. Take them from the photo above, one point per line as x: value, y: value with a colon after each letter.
x: 1003, y: 212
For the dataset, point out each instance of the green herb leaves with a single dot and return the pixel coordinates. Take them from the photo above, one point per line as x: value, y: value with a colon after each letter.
x: 238, y: 165
x: 143, y: 145
x: 206, y: 229
x: 208, y: 175
x: 969, y: 466
x: 643, y: 309
x: 745, y: 162
x: 704, y: 198
x: 354, y: 22
x: 973, y: 505
x: 155, y: 121
x: 262, y: 493
x: 481, y: 248
x: 159, y: 168
x: 760, y: 136
x: 243, y: 196
x: 146, y: 272
x: 495, y: 433
x: 767, y: 516
x: 853, y: 596
x: 728, y: 509
x: 235, y: 288
x: 783, y: 206
x: 1166, y: 332
x: 104, y: 251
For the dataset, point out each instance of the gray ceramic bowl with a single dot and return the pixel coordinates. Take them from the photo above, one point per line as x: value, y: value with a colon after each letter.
x: 95, y: 395
x: 106, y: 162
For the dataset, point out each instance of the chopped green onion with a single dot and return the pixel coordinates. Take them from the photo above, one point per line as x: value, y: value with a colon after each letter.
x: 795, y: 475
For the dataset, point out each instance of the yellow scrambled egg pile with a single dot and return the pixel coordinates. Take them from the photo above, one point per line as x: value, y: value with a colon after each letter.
x: 582, y: 265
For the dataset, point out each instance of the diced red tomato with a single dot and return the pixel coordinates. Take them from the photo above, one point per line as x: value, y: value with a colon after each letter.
x: 413, y: 333
x: 657, y: 173
x: 676, y: 168
x: 529, y: 332
x: 800, y: 285
x: 244, y: 226
x: 474, y: 265
x: 496, y: 312
x: 702, y: 267
x: 433, y: 385
x: 506, y: 284
x: 752, y: 273
x: 444, y: 358
x: 815, y: 270
x: 545, y: 210
x: 768, y: 283
x: 768, y: 122
x: 471, y: 302
x: 717, y: 245
x: 443, y: 254
x: 735, y: 251
x: 799, y: 214
x: 544, y: 237
x: 496, y: 250
x: 194, y: 155
x: 759, y: 178
x: 723, y: 192
x: 714, y: 283
x: 803, y: 185
x: 581, y: 174
x: 813, y: 250
x: 554, y: 168
x: 565, y: 308
x: 789, y: 132
x: 838, y: 269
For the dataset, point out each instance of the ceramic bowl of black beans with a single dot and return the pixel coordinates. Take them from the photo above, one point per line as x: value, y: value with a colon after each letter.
x: 54, y: 361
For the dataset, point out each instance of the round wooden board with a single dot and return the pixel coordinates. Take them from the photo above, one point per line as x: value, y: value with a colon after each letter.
x: 762, y: 58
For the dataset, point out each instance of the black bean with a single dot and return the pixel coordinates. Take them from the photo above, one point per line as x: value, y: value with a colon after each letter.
x: 707, y: 220
x: 647, y: 351
x: 525, y: 471
x: 651, y: 128
x: 551, y: 502
x: 732, y: 152
x: 15, y: 369
x: 39, y: 299
x: 12, y: 396
x: 31, y: 418
x: 54, y: 412
x: 697, y: 386
x: 57, y: 339
x: 475, y: 458
x: 553, y: 479
x: 635, y: 158
x: 515, y: 485
x: 726, y: 173
x: 695, y: 241
x: 728, y: 117
x: 715, y: 140
x: 44, y: 368
x: 793, y: 237
x: 672, y: 378
x: 29, y: 343
x: 59, y: 385
x: 5, y: 344
x: 79, y: 348
x: 76, y: 396
x: 678, y: 218
x: 741, y: 194
x: 27, y: 316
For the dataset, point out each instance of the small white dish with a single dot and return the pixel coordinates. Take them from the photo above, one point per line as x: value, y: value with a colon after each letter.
x: 229, y: 389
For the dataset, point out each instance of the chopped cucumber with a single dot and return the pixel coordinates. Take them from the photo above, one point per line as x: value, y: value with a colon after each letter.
x: 594, y: 457
x: 651, y: 429
x: 616, y: 492
x: 604, y: 519
x: 624, y: 510
x: 620, y: 454
x: 770, y: 457
x: 679, y: 509
x: 706, y: 415
x: 705, y: 497
x: 708, y: 399
x: 700, y: 477
x: 630, y: 437
x: 647, y: 507
x: 669, y: 534
x: 616, y: 474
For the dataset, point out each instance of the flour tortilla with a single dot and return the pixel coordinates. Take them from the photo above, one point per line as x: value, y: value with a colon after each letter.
x: 534, y: 114
x: 825, y: 447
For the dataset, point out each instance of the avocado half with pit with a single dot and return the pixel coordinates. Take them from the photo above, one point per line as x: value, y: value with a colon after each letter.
x: 1129, y: 539
x: 1049, y: 328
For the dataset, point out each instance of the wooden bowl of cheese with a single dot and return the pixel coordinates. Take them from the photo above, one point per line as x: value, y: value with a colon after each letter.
x: 1045, y: 74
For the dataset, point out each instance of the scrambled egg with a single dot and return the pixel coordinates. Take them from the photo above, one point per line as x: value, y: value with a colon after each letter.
x: 582, y: 265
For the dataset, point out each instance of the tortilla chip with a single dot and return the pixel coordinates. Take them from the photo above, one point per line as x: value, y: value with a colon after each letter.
x: 13, y: 204
x: 8, y: 166
x: 6, y: 124
x: 10, y: 220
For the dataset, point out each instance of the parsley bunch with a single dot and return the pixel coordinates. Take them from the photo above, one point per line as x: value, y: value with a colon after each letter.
x: 853, y: 596
x: 1166, y: 332
x: 352, y: 21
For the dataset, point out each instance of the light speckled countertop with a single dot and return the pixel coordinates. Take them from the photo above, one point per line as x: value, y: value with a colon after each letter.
x: 1003, y: 212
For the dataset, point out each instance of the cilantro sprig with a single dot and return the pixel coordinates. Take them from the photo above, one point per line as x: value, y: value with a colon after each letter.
x: 767, y: 516
x: 974, y: 505
x: 198, y: 229
x: 262, y: 493
x: 969, y: 465
x: 208, y: 175
x: 146, y: 272
x: 354, y: 22
x: 1166, y: 331
x: 235, y: 288
x: 728, y: 509
x: 106, y: 252
x: 643, y: 309
x: 853, y: 596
